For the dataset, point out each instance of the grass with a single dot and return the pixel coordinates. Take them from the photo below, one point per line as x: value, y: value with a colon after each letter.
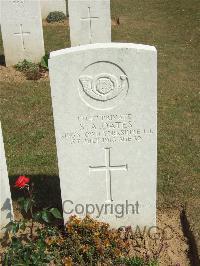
x: 56, y: 37
x: 30, y: 136
x: 171, y: 26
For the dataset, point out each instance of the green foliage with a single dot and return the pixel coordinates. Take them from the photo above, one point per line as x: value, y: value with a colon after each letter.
x: 23, y: 66
x: 84, y: 242
x: 33, y: 73
x: 25, y: 204
x: 135, y: 262
x: 55, y: 213
x: 44, y: 62
x: 48, y: 215
x: 55, y: 16
x: 28, y: 206
x: 14, y: 226
x: 27, y: 252
x: 31, y: 253
x: 31, y: 70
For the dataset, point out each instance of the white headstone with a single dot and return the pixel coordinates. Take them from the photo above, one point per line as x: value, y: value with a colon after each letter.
x: 48, y: 6
x: 104, y: 106
x: 22, y: 34
x: 0, y: 14
x: 89, y: 21
x: 6, y: 211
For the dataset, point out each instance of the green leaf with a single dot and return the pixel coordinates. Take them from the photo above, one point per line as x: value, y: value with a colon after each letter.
x: 27, y: 205
x: 38, y: 216
x: 23, y: 225
x: 56, y: 213
x: 21, y: 202
x: 44, y: 61
x: 15, y: 228
x: 46, y: 216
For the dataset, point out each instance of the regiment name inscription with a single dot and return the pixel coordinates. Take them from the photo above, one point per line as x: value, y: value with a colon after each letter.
x: 110, y: 128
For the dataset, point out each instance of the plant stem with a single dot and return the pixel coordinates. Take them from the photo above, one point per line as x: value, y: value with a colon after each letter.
x: 32, y: 222
x: 30, y: 192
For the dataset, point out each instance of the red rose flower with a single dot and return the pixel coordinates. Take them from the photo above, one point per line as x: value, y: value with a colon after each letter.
x: 22, y: 181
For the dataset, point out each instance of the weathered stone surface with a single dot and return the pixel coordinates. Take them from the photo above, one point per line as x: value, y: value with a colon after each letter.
x: 89, y: 21
x: 104, y: 106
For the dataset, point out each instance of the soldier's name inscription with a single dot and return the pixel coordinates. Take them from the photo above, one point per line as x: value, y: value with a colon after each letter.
x: 110, y: 128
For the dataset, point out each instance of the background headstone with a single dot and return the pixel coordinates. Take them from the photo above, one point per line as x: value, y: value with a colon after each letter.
x: 6, y: 211
x: 22, y: 34
x: 104, y: 106
x: 89, y: 21
x: 48, y: 6
x: 0, y: 14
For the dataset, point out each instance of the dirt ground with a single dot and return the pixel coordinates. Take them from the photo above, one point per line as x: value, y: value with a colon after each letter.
x: 175, y: 251
x: 11, y: 74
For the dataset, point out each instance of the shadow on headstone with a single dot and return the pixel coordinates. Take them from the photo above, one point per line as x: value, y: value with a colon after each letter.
x: 67, y: 12
x: 2, y: 60
x: 7, y: 207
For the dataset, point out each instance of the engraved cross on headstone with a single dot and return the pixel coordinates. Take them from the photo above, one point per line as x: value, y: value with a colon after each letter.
x: 108, y: 168
x: 89, y: 19
x: 21, y: 34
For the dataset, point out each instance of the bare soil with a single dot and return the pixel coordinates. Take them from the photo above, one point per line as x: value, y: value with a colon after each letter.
x: 175, y: 251
x: 10, y: 74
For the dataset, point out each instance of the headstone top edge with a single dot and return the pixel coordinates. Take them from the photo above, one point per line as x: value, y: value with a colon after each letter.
x: 102, y: 45
x: 88, y: 0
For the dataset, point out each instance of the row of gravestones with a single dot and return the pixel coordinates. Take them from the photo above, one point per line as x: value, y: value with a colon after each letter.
x: 105, y: 109
x: 22, y: 31
x: 48, y: 6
